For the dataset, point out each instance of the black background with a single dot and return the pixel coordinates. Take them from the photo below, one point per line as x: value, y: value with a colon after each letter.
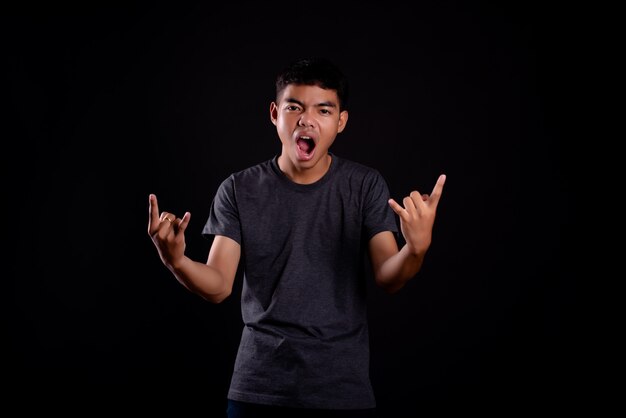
x: 106, y: 105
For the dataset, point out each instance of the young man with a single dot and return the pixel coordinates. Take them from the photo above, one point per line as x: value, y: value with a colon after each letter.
x: 304, y: 222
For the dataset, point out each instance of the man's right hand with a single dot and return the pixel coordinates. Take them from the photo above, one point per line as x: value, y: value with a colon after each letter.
x: 167, y: 233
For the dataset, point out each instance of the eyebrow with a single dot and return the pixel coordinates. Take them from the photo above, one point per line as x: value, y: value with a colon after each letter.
x: 321, y: 104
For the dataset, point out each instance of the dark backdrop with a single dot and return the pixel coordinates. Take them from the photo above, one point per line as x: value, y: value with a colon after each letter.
x: 107, y: 105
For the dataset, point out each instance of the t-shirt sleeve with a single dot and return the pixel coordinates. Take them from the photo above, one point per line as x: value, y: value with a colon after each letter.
x: 224, y: 214
x: 378, y: 215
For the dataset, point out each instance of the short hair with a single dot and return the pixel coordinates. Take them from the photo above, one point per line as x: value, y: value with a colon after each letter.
x: 314, y: 71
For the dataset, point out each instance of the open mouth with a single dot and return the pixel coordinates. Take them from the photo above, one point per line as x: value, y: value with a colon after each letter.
x: 306, y: 146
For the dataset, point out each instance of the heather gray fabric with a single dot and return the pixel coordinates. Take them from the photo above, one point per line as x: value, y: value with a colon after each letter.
x: 305, y: 341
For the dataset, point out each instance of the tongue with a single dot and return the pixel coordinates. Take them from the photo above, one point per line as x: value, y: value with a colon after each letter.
x: 304, y: 145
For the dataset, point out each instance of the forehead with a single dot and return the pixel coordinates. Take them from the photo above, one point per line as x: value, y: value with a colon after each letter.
x: 309, y: 95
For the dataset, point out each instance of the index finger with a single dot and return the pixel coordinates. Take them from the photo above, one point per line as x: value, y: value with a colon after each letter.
x: 153, y: 211
x: 436, y: 193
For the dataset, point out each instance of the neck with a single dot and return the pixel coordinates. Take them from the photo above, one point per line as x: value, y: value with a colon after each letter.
x: 304, y: 175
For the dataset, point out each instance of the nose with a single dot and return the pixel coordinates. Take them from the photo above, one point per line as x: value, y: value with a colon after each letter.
x: 306, y: 119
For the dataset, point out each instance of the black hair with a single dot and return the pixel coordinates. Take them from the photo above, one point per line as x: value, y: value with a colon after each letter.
x: 314, y: 71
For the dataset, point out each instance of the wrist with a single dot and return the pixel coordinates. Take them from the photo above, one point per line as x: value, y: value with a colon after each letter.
x: 177, y: 264
x: 416, y: 252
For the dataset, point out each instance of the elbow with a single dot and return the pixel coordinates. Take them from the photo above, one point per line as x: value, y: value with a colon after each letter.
x: 222, y: 297
x: 389, y: 287
x: 217, y: 298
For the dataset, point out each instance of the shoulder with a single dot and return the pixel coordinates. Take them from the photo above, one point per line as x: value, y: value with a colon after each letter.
x: 253, y: 171
x: 251, y: 179
x: 249, y: 174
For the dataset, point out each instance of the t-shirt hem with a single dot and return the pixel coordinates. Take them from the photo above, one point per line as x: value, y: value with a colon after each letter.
x: 209, y: 234
x: 313, y: 403
x: 371, y: 235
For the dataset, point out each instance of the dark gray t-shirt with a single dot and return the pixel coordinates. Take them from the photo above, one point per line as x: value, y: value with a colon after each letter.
x: 305, y: 340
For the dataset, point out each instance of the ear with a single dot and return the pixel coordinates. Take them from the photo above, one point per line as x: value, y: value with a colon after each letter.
x: 273, y: 112
x: 343, y: 121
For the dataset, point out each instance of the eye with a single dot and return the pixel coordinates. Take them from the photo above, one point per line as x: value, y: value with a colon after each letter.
x: 292, y: 108
x: 325, y: 112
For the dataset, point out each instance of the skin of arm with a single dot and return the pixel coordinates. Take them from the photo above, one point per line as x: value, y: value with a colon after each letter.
x: 393, y: 268
x: 212, y: 280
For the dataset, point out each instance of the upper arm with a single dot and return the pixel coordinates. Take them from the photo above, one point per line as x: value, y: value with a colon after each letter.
x: 382, y: 246
x: 224, y: 257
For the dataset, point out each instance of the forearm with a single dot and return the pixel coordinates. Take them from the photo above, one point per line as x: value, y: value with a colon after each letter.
x: 201, y: 279
x: 399, y: 269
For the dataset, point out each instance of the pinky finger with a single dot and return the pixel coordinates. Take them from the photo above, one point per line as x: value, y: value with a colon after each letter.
x: 184, y: 222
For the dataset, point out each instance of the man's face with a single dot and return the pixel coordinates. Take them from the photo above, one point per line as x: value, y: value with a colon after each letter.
x: 307, y: 120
